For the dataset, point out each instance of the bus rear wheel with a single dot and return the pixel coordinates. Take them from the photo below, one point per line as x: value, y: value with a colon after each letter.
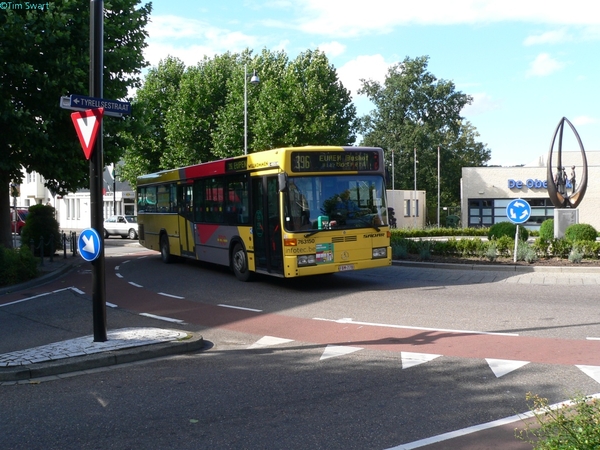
x: 239, y: 263
x: 165, y: 251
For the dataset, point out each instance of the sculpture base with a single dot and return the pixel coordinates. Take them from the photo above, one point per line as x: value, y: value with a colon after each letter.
x: 563, y: 217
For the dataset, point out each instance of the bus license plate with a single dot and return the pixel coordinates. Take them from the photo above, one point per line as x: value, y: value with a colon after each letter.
x: 345, y: 267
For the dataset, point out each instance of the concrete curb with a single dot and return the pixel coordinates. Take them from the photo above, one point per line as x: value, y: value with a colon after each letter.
x: 105, y: 359
x: 499, y: 267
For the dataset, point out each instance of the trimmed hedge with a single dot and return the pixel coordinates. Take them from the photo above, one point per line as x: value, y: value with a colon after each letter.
x: 581, y: 232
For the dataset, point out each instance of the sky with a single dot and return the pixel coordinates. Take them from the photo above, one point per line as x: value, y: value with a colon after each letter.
x: 526, y: 64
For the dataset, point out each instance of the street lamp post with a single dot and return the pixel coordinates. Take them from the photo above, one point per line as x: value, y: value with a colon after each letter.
x: 438, y: 186
x: 253, y: 80
x: 416, y: 204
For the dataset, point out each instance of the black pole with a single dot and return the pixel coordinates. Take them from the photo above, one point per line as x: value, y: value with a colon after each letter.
x: 97, y: 170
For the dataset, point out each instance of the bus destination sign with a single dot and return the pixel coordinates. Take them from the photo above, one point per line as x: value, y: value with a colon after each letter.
x: 331, y: 161
x: 236, y: 165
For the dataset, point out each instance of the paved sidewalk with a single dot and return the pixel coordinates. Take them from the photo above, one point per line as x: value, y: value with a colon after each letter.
x: 57, y: 340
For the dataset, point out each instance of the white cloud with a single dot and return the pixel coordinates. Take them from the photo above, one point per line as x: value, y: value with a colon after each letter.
x: 544, y: 65
x: 175, y: 36
x: 368, y: 67
x: 550, y: 37
x: 332, y: 49
x: 585, y: 120
x: 353, y: 18
x: 482, y: 103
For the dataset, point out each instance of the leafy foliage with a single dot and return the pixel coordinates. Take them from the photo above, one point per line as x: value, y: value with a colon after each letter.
x: 16, y: 266
x: 547, y: 229
x: 415, y: 110
x: 196, y: 114
x: 571, y: 426
x: 507, y: 229
x: 41, y: 226
x: 581, y: 232
x: 45, y: 55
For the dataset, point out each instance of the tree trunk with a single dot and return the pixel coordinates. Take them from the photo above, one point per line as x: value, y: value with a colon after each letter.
x: 5, y: 222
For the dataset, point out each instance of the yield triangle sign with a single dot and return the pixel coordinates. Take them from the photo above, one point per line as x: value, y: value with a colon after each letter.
x: 87, y: 124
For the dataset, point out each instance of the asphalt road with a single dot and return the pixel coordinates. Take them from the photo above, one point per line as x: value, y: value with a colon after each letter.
x: 371, y: 359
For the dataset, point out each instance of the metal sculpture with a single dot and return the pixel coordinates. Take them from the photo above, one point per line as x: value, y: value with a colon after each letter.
x: 557, y: 179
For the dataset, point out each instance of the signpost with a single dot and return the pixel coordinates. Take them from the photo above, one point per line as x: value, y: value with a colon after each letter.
x: 88, y: 124
x: 518, y: 211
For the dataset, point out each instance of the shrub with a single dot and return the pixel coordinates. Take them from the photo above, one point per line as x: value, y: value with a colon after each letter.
x: 581, y: 232
x: 576, y: 255
x: 509, y: 229
x: 526, y: 253
x: 399, y: 249
x: 505, y: 245
x: 571, y: 426
x: 41, y: 224
x: 541, y: 246
x: 560, y: 247
x: 16, y: 266
x: 547, y: 229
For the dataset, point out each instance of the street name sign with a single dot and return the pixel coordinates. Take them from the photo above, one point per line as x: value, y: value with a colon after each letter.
x: 112, y: 108
x: 89, y: 244
x: 518, y: 211
x: 87, y: 124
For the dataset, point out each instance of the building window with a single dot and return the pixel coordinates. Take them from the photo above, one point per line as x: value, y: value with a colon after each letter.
x: 406, y: 208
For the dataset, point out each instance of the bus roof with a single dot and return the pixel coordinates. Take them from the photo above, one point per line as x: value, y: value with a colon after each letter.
x: 264, y: 160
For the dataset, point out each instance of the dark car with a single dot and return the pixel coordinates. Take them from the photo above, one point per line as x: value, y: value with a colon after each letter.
x: 17, y: 219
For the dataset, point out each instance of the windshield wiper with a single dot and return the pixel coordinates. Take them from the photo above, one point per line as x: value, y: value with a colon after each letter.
x: 313, y: 232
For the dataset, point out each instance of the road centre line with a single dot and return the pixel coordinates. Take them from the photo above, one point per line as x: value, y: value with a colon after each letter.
x: 240, y: 307
x: 385, y: 325
x: 171, y: 295
x: 135, y: 284
x: 167, y: 319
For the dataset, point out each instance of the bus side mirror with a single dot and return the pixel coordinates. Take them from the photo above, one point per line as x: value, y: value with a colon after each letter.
x: 282, y: 178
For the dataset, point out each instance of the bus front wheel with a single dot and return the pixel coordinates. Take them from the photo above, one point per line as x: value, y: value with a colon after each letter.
x: 165, y: 251
x: 239, y: 263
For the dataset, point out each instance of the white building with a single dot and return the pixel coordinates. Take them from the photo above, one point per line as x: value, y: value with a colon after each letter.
x: 409, y: 208
x: 73, y: 210
x: 486, y: 191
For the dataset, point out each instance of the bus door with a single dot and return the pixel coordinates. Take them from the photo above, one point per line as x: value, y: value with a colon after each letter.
x: 268, y: 253
x: 186, y: 236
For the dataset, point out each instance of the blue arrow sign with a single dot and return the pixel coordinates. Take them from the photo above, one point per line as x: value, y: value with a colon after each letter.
x: 89, y: 244
x: 81, y: 103
x: 518, y: 211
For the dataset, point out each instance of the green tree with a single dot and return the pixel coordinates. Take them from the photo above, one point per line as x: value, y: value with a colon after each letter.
x: 45, y: 55
x: 415, y: 110
x: 187, y: 116
x: 193, y: 118
x: 147, y: 132
x: 296, y: 103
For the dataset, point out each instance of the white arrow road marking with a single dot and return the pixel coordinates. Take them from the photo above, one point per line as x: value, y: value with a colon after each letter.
x: 591, y: 371
x: 332, y: 351
x: 89, y: 244
x: 267, y: 341
x: 501, y: 367
x: 410, y: 359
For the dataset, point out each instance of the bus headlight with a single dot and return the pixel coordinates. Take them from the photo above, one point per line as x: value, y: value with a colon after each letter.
x: 306, y: 260
x: 380, y: 252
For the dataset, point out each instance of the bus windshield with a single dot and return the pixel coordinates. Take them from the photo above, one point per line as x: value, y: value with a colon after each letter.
x: 334, y: 202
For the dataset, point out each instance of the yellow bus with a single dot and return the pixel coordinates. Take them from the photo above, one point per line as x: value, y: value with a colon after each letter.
x: 286, y: 212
